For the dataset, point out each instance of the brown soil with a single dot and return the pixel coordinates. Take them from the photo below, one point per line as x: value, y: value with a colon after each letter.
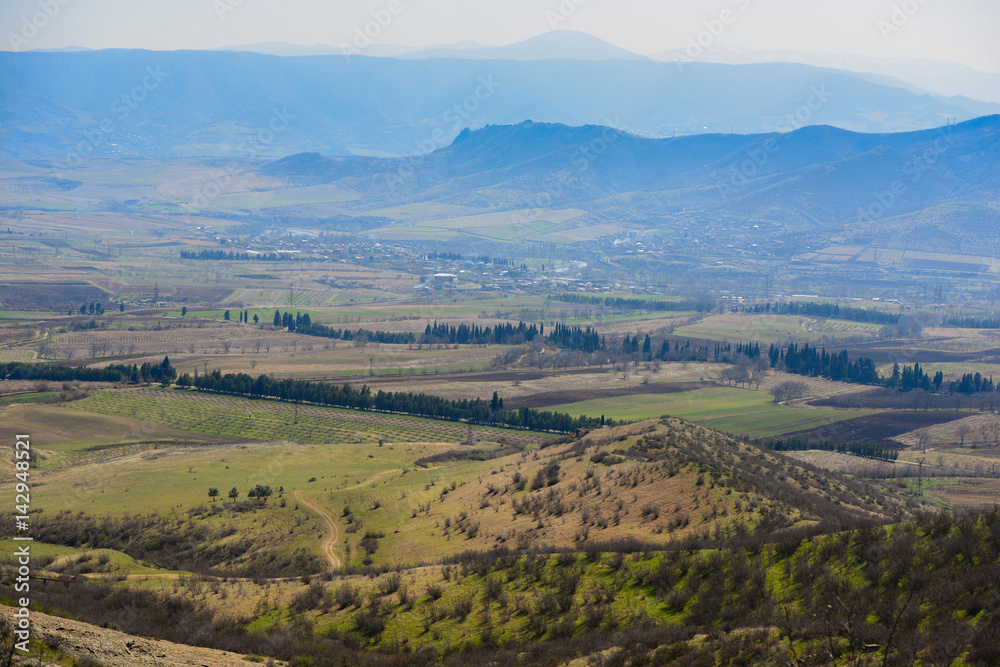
x: 876, y: 428
x: 883, y: 354
x: 549, y: 398
x: 972, y: 493
x: 117, y: 649
x: 54, y: 296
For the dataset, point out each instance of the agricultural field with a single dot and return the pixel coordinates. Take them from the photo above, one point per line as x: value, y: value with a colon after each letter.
x: 729, y: 410
x: 373, y: 526
x: 526, y: 225
x: 768, y: 329
x: 276, y: 421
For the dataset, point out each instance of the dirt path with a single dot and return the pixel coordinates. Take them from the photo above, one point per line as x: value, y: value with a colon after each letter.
x: 333, y: 532
x: 373, y: 478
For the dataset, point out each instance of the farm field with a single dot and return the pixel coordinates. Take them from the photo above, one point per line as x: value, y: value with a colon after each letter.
x: 62, y: 430
x: 767, y: 329
x: 730, y: 410
x: 275, y: 421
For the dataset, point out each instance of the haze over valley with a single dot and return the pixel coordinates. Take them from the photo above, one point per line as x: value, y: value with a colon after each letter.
x: 428, y: 335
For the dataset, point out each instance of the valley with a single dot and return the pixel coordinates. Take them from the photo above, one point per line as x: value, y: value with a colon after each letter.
x: 470, y: 354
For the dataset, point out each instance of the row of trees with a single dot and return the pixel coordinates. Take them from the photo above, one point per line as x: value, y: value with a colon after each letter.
x: 973, y: 322
x: 621, y: 303
x: 464, y: 334
x: 810, y: 360
x: 240, y: 256
x: 301, y: 323
x: 635, y: 348
x: 817, y: 362
x: 475, y: 411
x: 482, y: 259
x: 868, y: 450
x: 147, y: 372
x: 829, y: 310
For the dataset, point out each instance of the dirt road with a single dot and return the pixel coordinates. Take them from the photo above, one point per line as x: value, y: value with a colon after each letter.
x: 333, y: 532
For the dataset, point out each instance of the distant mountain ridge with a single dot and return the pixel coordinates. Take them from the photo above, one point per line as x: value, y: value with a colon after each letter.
x: 947, y: 79
x: 225, y: 103
x: 813, y: 177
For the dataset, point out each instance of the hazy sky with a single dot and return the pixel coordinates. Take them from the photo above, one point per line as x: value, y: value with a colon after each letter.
x: 956, y: 30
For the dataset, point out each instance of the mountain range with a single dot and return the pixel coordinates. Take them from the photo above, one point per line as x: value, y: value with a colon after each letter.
x: 813, y: 178
x: 947, y: 79
x: 217, y: 103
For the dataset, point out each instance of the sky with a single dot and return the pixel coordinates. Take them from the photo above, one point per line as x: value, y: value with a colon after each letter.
x: 962, y: 31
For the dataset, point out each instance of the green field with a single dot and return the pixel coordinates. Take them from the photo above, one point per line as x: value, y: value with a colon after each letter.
x: 160, y: 480
x: 265, y: 420
x: 739, y: 411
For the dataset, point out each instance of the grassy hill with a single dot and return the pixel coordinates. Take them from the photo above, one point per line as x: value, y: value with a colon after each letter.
x: 653, y: 543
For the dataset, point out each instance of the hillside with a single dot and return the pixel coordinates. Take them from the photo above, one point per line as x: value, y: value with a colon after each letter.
x: 811, y: 177
x: 218, y: 103
x: 645, y: 482
x: 806, y: 571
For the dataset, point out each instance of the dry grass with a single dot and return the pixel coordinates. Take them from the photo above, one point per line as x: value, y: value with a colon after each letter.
x: 841, y: 462
x: 970, y: 493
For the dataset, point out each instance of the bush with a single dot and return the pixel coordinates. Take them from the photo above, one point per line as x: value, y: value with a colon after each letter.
x: 390, y: 583
x: 347, y: 596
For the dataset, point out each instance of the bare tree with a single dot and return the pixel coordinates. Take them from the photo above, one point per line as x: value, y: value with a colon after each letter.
x: 963, y: 429
x: 984, y: 433
x: 226, y: 344
x: 789, y: 390
x: 995, y: 433
x: 923, y: 437
x: 68, y: 352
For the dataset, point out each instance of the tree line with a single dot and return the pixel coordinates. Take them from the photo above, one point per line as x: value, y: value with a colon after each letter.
x: 972, y: 322
x: 621, y: 303
x: 475, y: 411
x: 817, y: 362
x: 302, y: 324
x: 868, y: 450
x: 639, y: 347
x: 239, y: 256
x: 501, y: 334
x: 147, y: 372
x: 830, y: 310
